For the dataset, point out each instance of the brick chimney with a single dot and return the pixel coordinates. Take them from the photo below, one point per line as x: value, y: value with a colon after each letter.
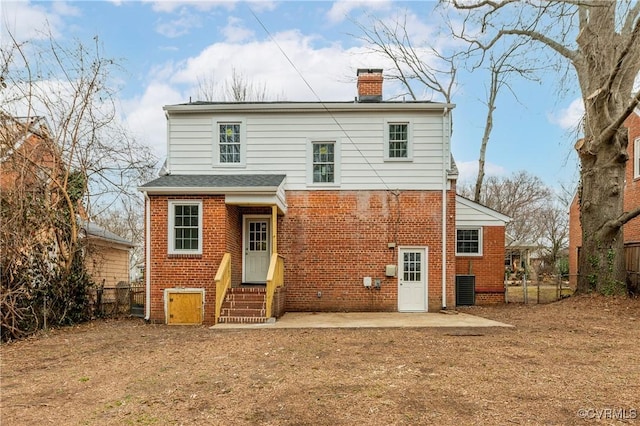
x: 369, y: 84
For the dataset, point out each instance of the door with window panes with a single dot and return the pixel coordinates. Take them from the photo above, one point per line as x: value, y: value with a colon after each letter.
x: 412, y: 280
x: 257, y: 249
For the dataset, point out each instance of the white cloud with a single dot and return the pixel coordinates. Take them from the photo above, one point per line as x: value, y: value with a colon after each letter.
x: 468, y: 170
x: 26, y: 21
x: 63, y: 8
x: 330, y: 70
x: 341, y: 8
x: 145, y: 118
x: 569, y: 118
x: 235, y: 32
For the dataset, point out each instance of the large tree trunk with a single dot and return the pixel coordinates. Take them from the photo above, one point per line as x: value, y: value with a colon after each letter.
x: 601, y: 260
x: 603, y: 151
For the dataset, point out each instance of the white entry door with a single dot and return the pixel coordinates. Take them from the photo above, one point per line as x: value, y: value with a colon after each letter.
x: 257, y: 249
x: 412, y: 280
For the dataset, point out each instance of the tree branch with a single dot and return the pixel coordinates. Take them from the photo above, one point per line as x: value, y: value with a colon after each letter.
x: 631, y: 43
x: 615, y: 224
x: 633, y: 14
x: 615, y: 126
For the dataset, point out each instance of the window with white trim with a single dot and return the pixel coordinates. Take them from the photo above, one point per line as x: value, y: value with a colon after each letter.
x: 185, y: 227
x: 398, y: 146
x: 469, y: 241
x: 229, y: 143
x: 323, y: 163
x: 636, y: 159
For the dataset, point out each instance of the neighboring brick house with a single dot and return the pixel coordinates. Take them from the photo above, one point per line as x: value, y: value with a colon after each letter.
x: 28, y: 158
x: 346, y: 199
x: 631, y: 229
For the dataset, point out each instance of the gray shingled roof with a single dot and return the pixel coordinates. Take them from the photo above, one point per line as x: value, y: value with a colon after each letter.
x: 94, y: 230
x: 215, y: 181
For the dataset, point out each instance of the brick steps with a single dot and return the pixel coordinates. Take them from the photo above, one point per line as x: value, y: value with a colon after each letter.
x: 244, y: 305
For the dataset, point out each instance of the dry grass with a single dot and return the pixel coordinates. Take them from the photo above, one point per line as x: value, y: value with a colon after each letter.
x: 580, y: 353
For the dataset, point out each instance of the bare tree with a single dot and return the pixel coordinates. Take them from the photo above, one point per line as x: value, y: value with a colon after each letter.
x: 238, y: 88
x: 600, y: 40
x: 66, y: 152
x: 521, y: 196
x: 415, y: 67
x: 425, y: 67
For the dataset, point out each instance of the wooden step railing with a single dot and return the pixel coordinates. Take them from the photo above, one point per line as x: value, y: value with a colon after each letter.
x: 223, y: 282
x: 275, y: 279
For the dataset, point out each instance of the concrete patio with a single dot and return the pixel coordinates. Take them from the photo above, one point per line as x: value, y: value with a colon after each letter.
x: 371, y: 320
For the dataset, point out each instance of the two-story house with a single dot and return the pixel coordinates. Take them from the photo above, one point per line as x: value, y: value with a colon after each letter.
x: 631, y: 229
x: 316, y: 206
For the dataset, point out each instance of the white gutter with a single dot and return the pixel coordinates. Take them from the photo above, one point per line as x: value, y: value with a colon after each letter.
x: 444, y: 207
x: 147, y: 256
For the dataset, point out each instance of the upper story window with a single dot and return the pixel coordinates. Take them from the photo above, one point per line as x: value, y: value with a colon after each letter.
x: 469, y: 242
x: 185, y: 227
x: 230, y: 144
x: 398, y: 143
x: 636, y: 159
x: 323, y: 163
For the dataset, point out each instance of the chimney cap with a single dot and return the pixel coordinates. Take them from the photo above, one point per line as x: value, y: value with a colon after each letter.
x: 369, y: 71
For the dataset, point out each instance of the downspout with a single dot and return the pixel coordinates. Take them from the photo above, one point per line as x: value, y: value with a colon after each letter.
x: 444, y: 206
x: 147, y: 256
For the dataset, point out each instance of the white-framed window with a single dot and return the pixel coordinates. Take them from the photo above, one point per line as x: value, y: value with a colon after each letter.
x: 185, y: 227
x: 398, y: 144
x: 469, y: 241
x: 636, y: 159
x: 230, y: 145
x: 323, y: 162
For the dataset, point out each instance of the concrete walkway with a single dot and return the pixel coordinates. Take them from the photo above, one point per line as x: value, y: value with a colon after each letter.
x: 371, y: 320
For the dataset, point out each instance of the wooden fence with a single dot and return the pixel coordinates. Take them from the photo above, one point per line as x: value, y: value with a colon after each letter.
x: 123, y: 299
x: 632, y: 262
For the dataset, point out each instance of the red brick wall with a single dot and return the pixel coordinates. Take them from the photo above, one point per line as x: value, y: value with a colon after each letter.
x: 632, y: 188
x: 488, y: 268
x: 193, y: 271
x: 332, y: 239
x: 234, y: 243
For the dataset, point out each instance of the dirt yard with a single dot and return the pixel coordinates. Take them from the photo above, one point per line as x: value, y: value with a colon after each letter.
x: 561, y: 363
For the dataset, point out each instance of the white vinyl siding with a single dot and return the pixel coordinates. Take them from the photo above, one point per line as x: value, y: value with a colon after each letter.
x: 470, y: 214
x: 185, y: 227
x: 278, y: 143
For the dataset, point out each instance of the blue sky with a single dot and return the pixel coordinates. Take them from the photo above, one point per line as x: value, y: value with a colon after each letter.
x: 165, y: 47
